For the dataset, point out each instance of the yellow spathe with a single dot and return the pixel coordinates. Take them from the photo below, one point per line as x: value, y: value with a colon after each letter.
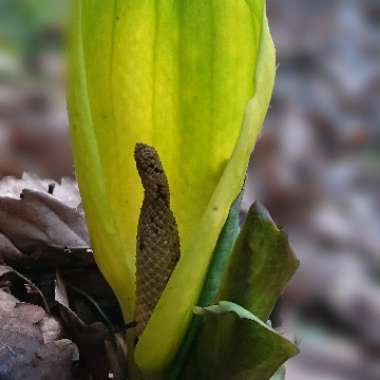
x: 193, y: 78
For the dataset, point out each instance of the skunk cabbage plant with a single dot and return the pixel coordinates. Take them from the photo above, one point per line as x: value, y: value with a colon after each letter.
x: 193, y: 80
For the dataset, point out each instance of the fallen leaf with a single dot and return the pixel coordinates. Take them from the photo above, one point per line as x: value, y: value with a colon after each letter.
x: 30, y: 344
x: 6, y: 271
x: 38, y: 218
x: 102, y: 352
x: 236, y: 345
x: 43, y: 231
x: 65, y: 191
x: 42, y: 222
x: 8, y: 251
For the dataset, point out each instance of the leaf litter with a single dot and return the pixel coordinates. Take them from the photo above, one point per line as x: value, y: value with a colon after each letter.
x: 58, y: 316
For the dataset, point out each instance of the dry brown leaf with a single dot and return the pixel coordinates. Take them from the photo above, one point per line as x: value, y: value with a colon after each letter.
x: 42, y: 229
x: 40, y: 215
x: 30, y: 348
x: 38, y: 218
x: 6, y: 271
x: 65, y: 191
x: 102, y: 352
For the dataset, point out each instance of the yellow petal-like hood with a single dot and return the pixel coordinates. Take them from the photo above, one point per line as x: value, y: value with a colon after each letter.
x: 193, y: 78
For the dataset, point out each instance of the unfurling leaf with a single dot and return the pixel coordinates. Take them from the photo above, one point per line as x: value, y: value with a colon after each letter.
x: 229, y: 346
x: 236, y: 345
x: 261, y: 265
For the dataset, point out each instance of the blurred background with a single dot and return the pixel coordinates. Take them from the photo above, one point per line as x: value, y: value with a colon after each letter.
x: 316, y: 166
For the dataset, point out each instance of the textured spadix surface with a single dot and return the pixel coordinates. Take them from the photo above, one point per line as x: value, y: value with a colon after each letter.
x: 192, y: 78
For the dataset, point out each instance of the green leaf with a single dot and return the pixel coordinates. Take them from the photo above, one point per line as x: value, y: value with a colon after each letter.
x: 259, y: 268
x: 236, y: 345
x: 261, y: 264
